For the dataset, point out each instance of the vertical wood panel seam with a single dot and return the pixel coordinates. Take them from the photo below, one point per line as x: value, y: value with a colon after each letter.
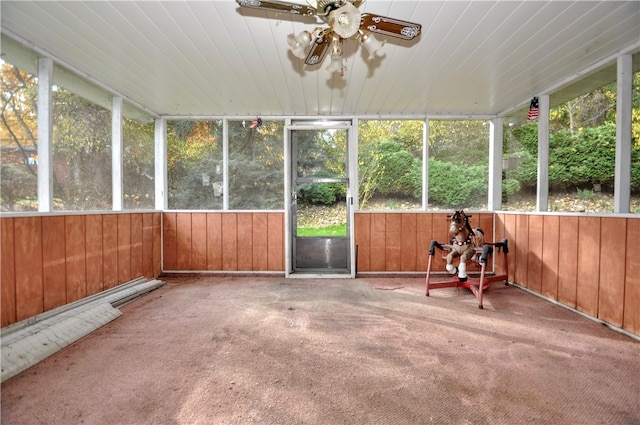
x: 558, y: 262
x: 599, y: 265
x: 190, y: 233
x: 161, y: 240
x: 267, y: 236
x: 86, y: 269
x: 42, y: 263
x: 66, y: 272
x: 130, y: 245
x: 624, y: 271
x: 102, y: 284
x: 206, y: 241
x: 117, y: 251
x: 15, y: 281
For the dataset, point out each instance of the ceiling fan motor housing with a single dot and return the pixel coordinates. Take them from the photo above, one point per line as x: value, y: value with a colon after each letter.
x: 327, y: 6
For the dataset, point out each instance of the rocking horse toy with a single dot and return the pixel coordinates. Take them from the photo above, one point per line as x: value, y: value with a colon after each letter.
x: 464, y: 241
x: 466, y: 244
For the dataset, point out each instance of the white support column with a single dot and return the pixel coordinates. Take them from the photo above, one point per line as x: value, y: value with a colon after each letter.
x: 45, y: 135
x: 225, y: 164
x: 160, y: 158
x: 425, y: 165
x: 117, y: 153
x: 496, y: 131
x: 542, y: 198
x: 622, y: 191
x: 288, y: 193
x: 352, y: 166
x: 353, y: 191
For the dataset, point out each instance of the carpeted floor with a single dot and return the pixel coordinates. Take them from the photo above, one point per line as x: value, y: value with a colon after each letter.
x: 269, y: 350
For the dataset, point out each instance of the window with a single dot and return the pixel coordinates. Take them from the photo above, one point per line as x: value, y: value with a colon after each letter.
x: 18, y: 140
x: 390, y: 164
x: 81, y: 153
x: 520, y: 167
x: 458, y: 164
x: 256, y: 165
x: 635, y: 146
x: 194, y: 164
x: 138, y: 164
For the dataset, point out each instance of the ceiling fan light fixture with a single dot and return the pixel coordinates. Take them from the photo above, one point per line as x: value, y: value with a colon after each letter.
x: 337, y: 61
x: 371, y: 44
x: 341, y: 21
x: 345, y: 21
x: 337, y: 64
x: 299, y: 43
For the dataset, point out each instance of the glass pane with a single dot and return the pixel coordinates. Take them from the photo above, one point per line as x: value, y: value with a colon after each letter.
x: 458, y: 164
x: 139, y: 165
x: 316, y: 216
x: 256, y: 165
x: 582, y: 151
x: 194, y: 164
x: 18, y: 140
x: 321, y: 151
x: 520, y: 167
x: 81, y: 153
x: 390, y: 164
x: 321, y: 207
x: 635, y: 146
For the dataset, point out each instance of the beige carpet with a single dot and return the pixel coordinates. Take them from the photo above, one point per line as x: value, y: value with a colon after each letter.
x: 266, y: 350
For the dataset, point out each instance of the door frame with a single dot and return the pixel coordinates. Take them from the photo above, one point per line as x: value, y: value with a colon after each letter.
x: 350, y: 125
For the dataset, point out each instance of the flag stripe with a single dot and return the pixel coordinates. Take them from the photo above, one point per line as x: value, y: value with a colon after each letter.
x: 533, y: 110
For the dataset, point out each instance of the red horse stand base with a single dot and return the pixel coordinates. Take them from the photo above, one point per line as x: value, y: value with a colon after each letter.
x: 476, y: 284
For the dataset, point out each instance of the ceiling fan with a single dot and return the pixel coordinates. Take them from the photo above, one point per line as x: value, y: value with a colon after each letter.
x: 343, y: 21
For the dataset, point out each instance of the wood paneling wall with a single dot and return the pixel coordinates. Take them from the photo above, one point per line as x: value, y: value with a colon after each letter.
x: 588, y: 263
x: 48, y: 261
x: 585, y: 262
x: 223, y: 241
x: 399, y: 242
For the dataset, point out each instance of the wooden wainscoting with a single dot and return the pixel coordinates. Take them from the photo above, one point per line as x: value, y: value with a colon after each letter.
x: 399, y: 241
x: 223, y: 241
x: 589, y: 263
x: 52, y: 260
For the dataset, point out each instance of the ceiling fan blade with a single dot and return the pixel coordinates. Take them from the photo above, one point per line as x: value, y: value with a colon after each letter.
x: 390, y: 26
x: 318, y: 51
x: 278, y: 6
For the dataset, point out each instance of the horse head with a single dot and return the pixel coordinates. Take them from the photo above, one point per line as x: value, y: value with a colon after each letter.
x: 459, y: 222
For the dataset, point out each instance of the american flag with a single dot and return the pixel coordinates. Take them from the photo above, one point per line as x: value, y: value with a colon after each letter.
x: 533, y: 110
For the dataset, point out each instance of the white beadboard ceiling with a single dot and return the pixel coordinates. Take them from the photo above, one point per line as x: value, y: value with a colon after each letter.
x: 213, y: 58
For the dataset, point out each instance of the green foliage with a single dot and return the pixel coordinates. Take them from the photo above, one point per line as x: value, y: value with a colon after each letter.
x: 322, y: 193
x: 583, y: 160
x: 333, y: 230
x: 446, y: 137
x: 256, y: 171
x: 456, y: 186
x: 193, y: 151
x: 406, y: 132
x: 186, y: 189
x: 586, y: 194
x: 510, y: 187
x: 81, y: 153
x: 138, y: 165
x: 577, y: 161
x: 388, y: 168
x: 396, y: 170
x: 17, y: 183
